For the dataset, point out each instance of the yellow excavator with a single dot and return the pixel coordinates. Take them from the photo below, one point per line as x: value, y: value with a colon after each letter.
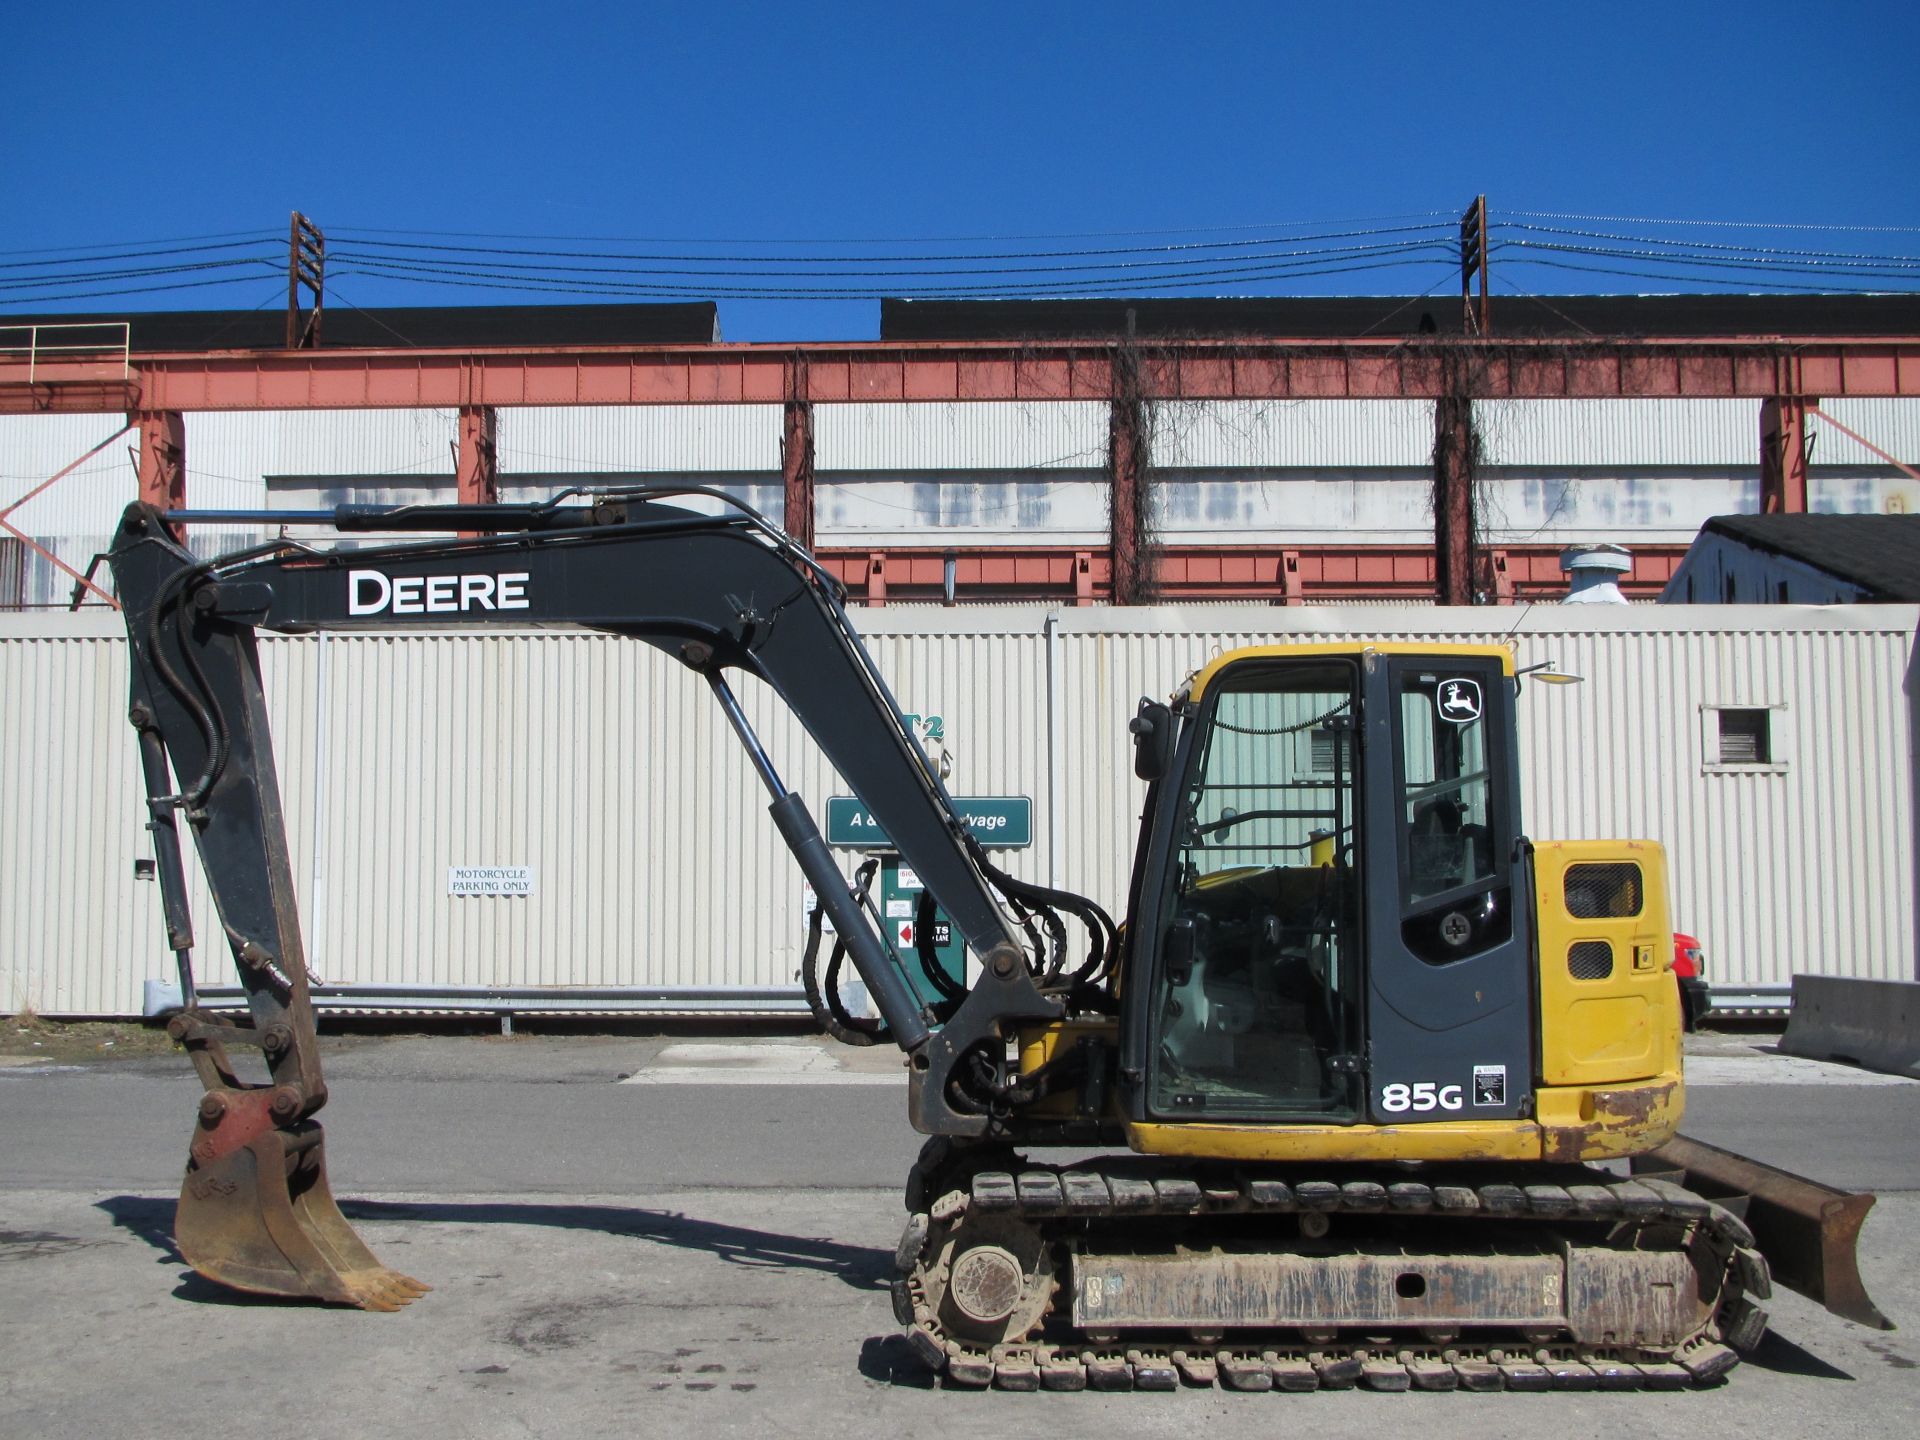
x: 1378, y: 1091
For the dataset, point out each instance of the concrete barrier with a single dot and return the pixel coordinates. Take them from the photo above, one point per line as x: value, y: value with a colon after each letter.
x: 1870, y: 1023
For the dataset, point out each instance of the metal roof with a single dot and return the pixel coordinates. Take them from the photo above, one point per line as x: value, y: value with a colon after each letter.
x: 1880, y: 553
x: 1314, y: 317
x: 432, y: 327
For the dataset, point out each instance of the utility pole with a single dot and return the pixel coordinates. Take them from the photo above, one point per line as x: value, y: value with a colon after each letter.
x: 1473, y: 260
x: 306, y: 265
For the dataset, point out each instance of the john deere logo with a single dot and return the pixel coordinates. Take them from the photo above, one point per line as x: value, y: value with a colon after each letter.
x: 1459, y: 701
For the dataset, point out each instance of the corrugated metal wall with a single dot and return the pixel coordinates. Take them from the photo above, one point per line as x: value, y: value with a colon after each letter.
x: 1044, y: 435
x: 961, y: 508
x: 34, y: 448
x: 598, y: 763
x: 1619, y: 432
x: 575, y: 439
x: 1893, y: 425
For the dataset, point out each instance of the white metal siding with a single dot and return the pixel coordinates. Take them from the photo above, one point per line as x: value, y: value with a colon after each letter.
x: 35, y: 448
x: 1212, y: 434
x: 639, y: 439
x: 962, y: 508
x: 606, y: 768
x: 1043, y: 435
x: 1892, y: 425
x: 1619, y: 432
x: 245, y: 447
x: 1589, y: 504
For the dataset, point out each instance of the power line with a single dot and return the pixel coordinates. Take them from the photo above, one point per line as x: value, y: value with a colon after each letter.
x: 1447, y: 215
x: 1263, y: 254
x: 497, y: 280
x: 1762, y: 264
x: 1141, y: 267
x: 921, y: 259
x: 129, y: 290
x: 1756, y: 250
x: 131, y: 254
x: 264, y: 235
x: 1715, y: 224
x: 95, y: 277
x: 1730, y: 283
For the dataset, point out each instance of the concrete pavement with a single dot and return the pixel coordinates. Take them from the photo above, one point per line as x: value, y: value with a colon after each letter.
x: 676, y: 1257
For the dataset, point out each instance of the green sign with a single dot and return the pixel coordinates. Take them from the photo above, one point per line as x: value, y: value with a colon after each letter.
x: 999, y: 822
x: 900, y: 896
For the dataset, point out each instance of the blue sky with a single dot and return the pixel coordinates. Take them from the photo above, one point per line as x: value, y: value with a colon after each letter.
x: 803, y: 130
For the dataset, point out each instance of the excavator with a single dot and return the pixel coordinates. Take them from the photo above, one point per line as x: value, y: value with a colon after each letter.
x: 1366, y: 1089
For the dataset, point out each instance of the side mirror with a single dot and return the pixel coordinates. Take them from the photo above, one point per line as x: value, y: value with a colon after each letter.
x: 1152, y: 729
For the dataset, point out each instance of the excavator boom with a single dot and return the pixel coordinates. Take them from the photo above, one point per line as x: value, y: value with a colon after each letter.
x: 721, y: 593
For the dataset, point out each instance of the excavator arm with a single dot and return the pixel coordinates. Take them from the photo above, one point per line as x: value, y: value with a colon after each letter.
x: 720, y: 592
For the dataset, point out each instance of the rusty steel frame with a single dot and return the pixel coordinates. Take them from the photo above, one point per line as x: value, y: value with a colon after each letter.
x: 836, y: 372
x: 1779, y: 371
x: 796, y: 470
x: 1783, y: 454
x: 1275, y: 573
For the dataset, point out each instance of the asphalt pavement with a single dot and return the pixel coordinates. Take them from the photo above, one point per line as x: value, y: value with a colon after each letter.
x: 677, y: 1234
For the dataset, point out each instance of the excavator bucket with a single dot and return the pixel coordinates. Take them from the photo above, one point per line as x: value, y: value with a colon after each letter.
x: 1807, y: 1231
x: 256, y: 1214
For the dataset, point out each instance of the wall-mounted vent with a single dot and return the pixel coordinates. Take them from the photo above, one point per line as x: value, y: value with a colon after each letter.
x: 1746, y: 737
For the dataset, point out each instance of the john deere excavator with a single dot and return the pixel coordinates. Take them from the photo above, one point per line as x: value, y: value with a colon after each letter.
x: 1364, y: 1070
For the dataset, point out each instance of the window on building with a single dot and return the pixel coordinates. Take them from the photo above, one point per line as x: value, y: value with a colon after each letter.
x: 1743, y: 737
x: 13, y: 574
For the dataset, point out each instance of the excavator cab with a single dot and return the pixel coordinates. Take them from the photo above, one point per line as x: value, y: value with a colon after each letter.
x: 1332, y: 868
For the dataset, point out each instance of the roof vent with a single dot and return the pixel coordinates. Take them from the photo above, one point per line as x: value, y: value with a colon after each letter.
x: 1593, y: 573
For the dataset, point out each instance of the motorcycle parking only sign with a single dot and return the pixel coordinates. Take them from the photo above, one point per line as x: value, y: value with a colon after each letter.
x: 490, y: 880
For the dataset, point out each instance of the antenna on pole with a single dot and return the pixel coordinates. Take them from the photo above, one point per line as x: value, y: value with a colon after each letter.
x: 1473, y: 259
x: 306, y: 265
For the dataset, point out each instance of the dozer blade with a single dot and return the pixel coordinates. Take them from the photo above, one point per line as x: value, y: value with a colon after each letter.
x: 259, y: 1217
x: 1807, y: 1231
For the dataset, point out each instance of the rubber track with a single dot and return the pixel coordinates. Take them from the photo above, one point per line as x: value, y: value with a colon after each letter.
x: 1090, y: 1193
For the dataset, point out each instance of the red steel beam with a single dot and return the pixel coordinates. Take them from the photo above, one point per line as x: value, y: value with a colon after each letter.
x: 476, y: 473
x: 163, y: 459
x: 1453, y: 455
x: 796, y: 470
x: 1783, y: 454
x: 1211, y: 572
x: 1133, y: 577
x: 1756, y: 367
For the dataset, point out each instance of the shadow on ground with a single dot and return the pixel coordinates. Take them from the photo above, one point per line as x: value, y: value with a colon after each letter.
x: 889, y: 1360
x: 860, y: 1266
x: 1777, y: 1353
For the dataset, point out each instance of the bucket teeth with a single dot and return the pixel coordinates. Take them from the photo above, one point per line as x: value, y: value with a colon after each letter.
x: 258, y: 1216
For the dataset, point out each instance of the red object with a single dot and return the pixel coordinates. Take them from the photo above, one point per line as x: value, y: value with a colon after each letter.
x: 1783, y: 454
x: 1068, y: 574
x: 1689, y: 959
x: 828, y: 371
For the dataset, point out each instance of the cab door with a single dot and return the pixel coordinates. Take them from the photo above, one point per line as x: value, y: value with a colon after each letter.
x: 1449, y: 1003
